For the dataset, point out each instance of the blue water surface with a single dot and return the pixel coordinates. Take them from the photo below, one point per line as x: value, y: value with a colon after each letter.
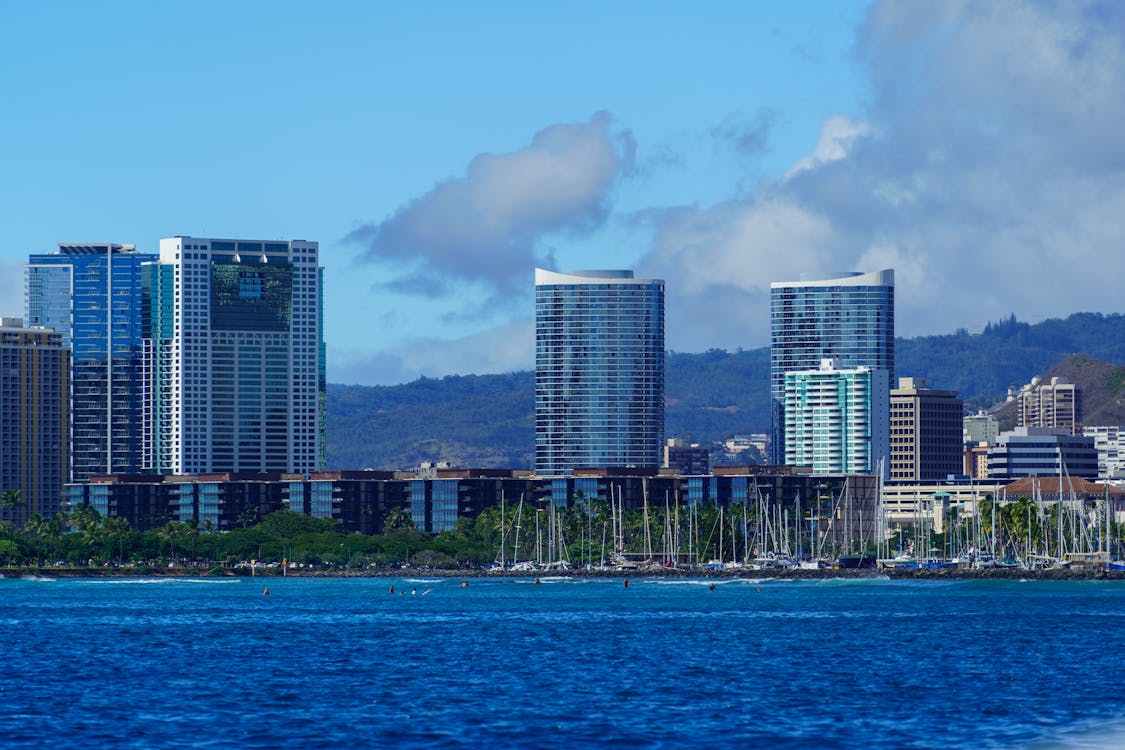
x: 567, y: 663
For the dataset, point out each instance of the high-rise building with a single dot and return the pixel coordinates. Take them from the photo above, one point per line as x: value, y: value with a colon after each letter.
x: 235, y: 357
x: 976, y: 460
x: 926, y: 432
x: 599, y: 370
x: 687, y: 459
x: 836, y: 419
x: 34, y: 372
x: 981, y: 427
x: 1056, y: 405
x: 849, y: 317
x: 91, y: 294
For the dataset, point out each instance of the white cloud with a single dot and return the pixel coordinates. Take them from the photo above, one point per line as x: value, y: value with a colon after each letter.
x: 987, y: 171
x: 837, y: 135
x: 485, y: 226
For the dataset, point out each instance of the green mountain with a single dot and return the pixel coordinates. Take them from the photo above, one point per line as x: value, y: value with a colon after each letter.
x: 489, y: 420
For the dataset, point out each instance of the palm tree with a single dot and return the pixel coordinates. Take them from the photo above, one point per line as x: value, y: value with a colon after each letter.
x: 57, y: 524
x: 115, y: 529
x: 397, y: 518
x: 11, y: 500
x: 35, y: 528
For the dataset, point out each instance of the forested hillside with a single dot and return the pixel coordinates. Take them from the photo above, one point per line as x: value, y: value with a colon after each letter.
x: 488, y: 420
x: 982, y: 366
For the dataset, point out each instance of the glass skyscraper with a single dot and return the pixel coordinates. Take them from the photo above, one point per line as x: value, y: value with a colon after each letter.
x: 848, y: 317
x: 91, y: 295
x: 235, y: 357
x: 599, y: 370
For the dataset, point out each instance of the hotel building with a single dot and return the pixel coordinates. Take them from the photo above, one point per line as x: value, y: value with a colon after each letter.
x: 234, y: 357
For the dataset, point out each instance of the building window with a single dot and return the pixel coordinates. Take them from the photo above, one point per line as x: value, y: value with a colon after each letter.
x: 250, y: 285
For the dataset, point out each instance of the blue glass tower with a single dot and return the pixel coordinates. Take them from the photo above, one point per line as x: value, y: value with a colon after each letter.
x: 849, y: 317
x: 91, y: 295
x: 599, y: 370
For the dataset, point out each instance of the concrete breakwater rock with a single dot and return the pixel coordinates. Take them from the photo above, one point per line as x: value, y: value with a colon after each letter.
x: 1075, y: 573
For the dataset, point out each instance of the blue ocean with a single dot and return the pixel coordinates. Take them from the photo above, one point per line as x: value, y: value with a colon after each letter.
x: 565, y: 663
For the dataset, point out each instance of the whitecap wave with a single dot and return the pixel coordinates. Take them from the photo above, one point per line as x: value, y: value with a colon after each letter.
x: 150, y: 581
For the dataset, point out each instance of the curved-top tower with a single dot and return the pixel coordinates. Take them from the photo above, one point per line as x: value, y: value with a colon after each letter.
x: 849, y: 317
x: 599, y: 370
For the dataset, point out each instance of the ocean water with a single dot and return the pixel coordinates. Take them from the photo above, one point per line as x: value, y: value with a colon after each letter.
x: 567, y: 663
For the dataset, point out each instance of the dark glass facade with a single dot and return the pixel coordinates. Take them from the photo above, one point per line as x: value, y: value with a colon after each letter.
x: 599, y: 370
x: 849, y: 317
x: 1042, y: 452
x: 91, y: 295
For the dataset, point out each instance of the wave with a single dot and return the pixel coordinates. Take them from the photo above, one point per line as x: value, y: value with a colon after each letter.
x: 150, y: 581
x: 705, y: 581
x: 1107, y: 736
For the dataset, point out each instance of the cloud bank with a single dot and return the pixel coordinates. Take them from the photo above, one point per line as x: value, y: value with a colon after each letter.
x: 486, y: 225
x: 988, y: 171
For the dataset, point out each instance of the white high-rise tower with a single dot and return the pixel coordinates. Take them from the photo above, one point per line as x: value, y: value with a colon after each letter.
x: 235, y: 357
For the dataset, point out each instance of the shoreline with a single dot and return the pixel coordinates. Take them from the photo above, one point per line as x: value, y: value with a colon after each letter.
x: 1083, y: 573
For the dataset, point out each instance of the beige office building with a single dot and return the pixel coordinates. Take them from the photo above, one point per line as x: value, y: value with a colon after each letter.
x: 926, y: 432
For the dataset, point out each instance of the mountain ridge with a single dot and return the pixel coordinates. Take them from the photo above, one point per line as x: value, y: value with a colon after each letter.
x: 489, y: 420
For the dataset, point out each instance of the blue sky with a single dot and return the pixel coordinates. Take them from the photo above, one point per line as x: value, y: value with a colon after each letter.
x: 438, y: 151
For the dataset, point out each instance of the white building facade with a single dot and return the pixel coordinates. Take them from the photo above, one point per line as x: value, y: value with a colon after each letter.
x: 235, y: 357
x: 1107, y: 440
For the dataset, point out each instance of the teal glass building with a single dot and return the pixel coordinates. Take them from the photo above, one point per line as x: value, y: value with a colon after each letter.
x: 599, y: 371
x: 91, y: 294
x: 849, y: 317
